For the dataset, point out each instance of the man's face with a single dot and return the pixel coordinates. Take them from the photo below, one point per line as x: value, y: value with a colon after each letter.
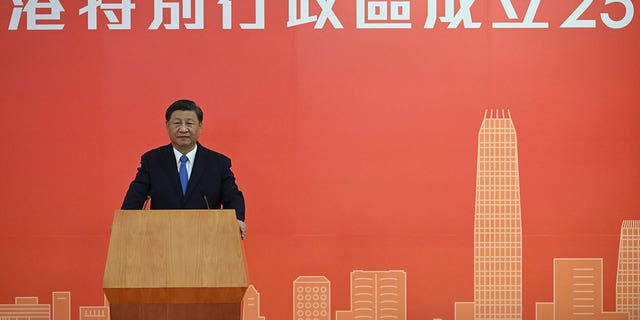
x: 184, y: 129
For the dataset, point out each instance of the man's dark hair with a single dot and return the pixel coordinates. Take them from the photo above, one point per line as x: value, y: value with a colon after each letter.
x: 184, y: 105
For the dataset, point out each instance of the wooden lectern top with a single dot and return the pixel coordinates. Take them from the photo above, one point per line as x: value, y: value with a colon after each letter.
x: 175, y: 256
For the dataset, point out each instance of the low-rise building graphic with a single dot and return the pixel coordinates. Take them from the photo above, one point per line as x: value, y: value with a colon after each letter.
x: 61, y: 302
x: 25, y: 308
x: 577, y: 292
x: 377, y: 295
x: 96, y: 312
x: 251, y: 304
x: 311, y: 298
x: 29, y: 308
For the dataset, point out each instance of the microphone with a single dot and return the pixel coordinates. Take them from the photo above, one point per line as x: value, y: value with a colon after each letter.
x: 204, y: 196
x: 146, y: 202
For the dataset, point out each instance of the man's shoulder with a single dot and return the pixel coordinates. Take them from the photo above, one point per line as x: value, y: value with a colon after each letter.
x: 162, y: 150
x: 211, y: 154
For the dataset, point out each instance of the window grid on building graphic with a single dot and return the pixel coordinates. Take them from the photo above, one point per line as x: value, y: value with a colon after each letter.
x: 628, y: 276
x: 497, y: 226
x: 312, y: 295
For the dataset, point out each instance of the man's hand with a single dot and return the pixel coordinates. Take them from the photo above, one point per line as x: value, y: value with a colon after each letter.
x: 243, y: 229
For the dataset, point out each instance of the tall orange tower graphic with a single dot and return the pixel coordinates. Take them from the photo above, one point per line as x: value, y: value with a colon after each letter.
x: 311, y: 298
x: 497, y: 226
x: 377, y: 295
x: 628, y: 278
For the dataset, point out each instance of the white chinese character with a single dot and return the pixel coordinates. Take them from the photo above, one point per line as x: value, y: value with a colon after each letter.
x: 387, y: 14
x: 226, y: 15
x: 527, y: 22
x: 53, y: 9
x: 462, y: 15
x: 108, y: 9
x: 259, y: 24
x: 174, y: 8
x: 326, y: 14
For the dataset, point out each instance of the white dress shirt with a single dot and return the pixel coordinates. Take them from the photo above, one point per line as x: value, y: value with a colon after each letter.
x: 191, y: 155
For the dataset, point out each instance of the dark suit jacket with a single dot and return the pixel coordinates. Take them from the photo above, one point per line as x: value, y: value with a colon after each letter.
x: 158, y: 178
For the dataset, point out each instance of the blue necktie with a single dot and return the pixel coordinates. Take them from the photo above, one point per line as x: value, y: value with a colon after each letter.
x: 184, y: 177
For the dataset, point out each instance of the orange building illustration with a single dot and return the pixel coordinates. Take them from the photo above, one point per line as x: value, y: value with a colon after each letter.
x: 628, y: 278
x: 96, y: 312
x: 311, y: 298
x: 61, y: 305
x: 28, y: 308
x: 251, y: 304
x: 497, y: 224
x: 577, y: 292
x: 25, y: 308
x: 377, y: 295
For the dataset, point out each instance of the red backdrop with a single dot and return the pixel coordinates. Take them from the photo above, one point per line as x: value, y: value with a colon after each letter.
x: 355, y: 148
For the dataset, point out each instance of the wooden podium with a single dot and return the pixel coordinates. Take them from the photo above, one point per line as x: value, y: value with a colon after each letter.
x: 175, y: 264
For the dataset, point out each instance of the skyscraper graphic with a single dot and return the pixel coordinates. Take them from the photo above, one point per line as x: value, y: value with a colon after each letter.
x: 251, y: 304
x: 628, y: 278
x: 311, y: 298
x: 377, y: 295
x: 497, y: 224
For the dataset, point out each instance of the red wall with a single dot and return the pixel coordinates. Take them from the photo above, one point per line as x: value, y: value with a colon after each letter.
x: 356, y: 149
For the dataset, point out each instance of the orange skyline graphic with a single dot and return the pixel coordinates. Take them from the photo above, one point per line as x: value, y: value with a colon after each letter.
x: 498, y: 246
x: 29, y: 308
x: 382, y: 295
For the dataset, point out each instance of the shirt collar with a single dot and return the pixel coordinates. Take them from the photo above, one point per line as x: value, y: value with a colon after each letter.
x: 191, y: 155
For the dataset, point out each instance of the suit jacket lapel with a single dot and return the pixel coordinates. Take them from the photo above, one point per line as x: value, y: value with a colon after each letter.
x: 171, y: 170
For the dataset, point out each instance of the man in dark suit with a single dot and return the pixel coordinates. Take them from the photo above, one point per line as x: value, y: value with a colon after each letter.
x: 184, y: 174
